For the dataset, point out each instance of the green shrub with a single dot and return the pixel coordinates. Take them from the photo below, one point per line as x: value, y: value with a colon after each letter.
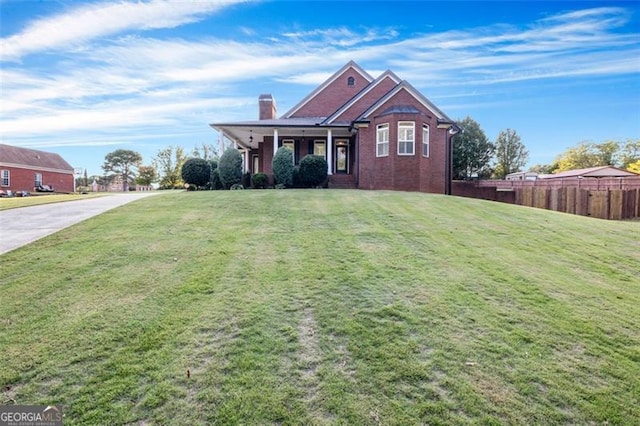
x: 260, y: 180
x: 230, y: 168
x: 313, y: 170
x: 196, y: 171
x: 283, y: 166
x: 297, y: 183
x: 216, y: 183
x: 246, y: 180
x: 236, y: 186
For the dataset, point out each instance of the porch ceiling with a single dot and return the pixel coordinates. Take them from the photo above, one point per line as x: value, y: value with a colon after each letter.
x: 241, y: 133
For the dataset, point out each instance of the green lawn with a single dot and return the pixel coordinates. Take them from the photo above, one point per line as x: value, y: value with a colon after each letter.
x: 326, y: 307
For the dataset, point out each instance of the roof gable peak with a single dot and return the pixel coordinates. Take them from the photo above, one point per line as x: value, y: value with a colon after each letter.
x: 351, y: 65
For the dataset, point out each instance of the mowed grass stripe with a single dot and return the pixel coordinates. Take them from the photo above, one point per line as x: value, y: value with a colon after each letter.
x: 324, y: 307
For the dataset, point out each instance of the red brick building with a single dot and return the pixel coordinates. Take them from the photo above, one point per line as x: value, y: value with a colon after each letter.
x: 374, y: 133
x: 23, y: 169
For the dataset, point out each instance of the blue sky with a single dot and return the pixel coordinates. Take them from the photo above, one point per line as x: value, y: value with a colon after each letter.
x: 85, y: 78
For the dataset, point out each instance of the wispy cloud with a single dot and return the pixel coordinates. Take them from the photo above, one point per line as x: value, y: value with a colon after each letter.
x: 104, y: 19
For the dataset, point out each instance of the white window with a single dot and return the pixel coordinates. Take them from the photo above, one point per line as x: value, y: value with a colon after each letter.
x: 320, y: 148
x: 38, y: 179
x: 382, y: 140
x: 4, y: 178
x: 425, y: 140
x: 406, y: 138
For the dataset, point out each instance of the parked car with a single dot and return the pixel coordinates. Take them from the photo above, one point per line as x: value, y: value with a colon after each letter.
x: 44, y: 188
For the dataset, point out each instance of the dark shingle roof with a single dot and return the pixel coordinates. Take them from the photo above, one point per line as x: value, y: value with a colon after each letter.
x: 25, y: 157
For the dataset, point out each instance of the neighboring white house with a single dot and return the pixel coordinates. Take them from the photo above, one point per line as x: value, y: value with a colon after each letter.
x: 522, y: 176
x: 591, y: 172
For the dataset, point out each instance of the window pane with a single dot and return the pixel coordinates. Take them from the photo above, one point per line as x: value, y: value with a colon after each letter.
x: 319, y: 148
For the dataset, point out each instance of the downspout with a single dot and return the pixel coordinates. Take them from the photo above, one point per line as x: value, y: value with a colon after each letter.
x: 451, y: 132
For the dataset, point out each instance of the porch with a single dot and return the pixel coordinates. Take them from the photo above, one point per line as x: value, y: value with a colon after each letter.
x: 258, y: 141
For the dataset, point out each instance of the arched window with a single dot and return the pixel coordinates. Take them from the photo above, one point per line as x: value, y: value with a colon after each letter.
x: 351, y: 81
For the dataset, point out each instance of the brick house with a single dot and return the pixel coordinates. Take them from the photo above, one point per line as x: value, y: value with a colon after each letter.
x: 374, y: 133
x: 22, y: 169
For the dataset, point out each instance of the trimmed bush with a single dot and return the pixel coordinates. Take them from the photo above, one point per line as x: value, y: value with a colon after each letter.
x: 236, y: 186
x: 260, y: 180
x: 246, y: 180
x: 196, y: 171
x: 297, y: 183
x: 230, y: 168
x: 283, y: 166
x: 216, y: 183
x: 313, y: 170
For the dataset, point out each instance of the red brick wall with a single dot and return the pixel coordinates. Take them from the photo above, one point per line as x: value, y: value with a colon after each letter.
x: 333, y: 96
x: 367, y: 100
x: 403, y: 173
x: 24, y: 179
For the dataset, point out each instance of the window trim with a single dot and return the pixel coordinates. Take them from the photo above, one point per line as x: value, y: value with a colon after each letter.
x: 37, y: 182
x: 407, y: 125
x: 379, y: 129
x: 425, y: 129
x: 2, y: 177
x: 351, y: 81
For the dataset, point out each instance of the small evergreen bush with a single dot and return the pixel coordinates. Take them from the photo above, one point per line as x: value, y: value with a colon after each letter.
x: 216, y: 183
x: 297, y: 183
x: 313, y: 170
x: 230, y: 168
x: 196, y: 171
x: 236, y: 186
x: 283, y: 167
x: 260, y: 180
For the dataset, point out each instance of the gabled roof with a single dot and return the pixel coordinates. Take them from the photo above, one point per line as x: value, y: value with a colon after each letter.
x: 350, y: 65
x: 363, y: 92
x: 593, y: 172
x: 13, y: 156
x: 404, y: 85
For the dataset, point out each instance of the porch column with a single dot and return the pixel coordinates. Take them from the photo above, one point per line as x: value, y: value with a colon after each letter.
x: 275, y: 141
x: 329, y: 152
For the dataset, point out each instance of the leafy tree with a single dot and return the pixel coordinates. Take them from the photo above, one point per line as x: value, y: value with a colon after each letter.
x: 230, y: 168
x: 216, y: 183
x: 580, y: 156
x: 313, y: 170
x: 472, y: 151
x: 283, y: 166
x: 607, y: 152
x: 122, y: 162
x: 205, y: 151
x: 196, y: 171
x: 589, y: 154
x: 168, y: 163
x: 630, y: 153
x: 146, y: 175
x: 543, y: 169
x: 511, y: 154
x: 634, y: 167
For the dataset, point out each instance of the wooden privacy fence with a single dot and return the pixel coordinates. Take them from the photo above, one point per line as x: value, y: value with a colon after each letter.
x: 613, y: 204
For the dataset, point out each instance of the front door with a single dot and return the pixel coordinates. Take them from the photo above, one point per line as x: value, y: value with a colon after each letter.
x: 342, y: 157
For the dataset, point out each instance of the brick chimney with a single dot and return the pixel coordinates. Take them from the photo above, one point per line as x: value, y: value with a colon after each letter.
x: 267, y: 107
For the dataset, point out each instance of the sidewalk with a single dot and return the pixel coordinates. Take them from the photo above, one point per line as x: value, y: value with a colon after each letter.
x: 21, y: 226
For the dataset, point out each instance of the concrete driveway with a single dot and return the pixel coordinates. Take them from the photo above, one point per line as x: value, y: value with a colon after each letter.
x: 21, y: 226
